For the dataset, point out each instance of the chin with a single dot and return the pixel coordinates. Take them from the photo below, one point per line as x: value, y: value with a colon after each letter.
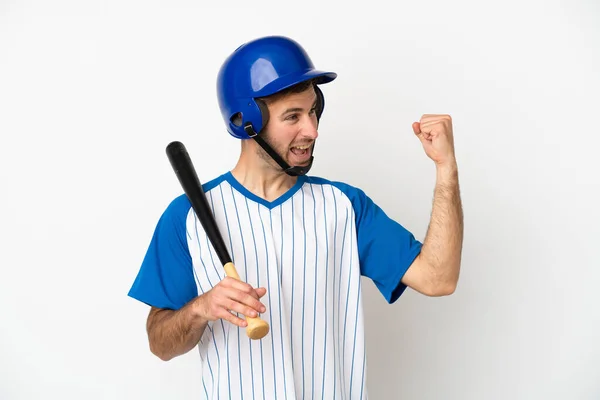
x: 304, y: 163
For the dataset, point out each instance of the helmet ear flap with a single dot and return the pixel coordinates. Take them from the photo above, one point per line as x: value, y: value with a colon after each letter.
x: 264, y: 112
x: 320, y: 102
x: 253, y: 114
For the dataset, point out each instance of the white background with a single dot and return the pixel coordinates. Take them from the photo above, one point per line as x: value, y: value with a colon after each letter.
x: 91, y: 92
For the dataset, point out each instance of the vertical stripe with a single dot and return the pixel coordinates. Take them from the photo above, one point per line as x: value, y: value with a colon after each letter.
x: 213, y: 260
x: 280, y: 305
x: 269, y: 295
x: 362, y: 382
x: 246, y: 271
x: 233, y: 258
x: 228, y: 228
x: 342, y: 337
x: 303, y: 290
x: 220, y: 321
x: 335, y: 245
x: 354, y: 344
x: 293, y: 284
x: 202, y: 289
x: 203, y: 380
x: 316, y: 291
x: 325, y: 337
x: 340, y: 349
x: 347, y: 301
x: 262, y: 373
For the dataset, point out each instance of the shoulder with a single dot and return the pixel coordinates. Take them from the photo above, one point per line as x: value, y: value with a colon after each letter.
x: 348, y: 194
x: 353, y: 193
x: 347, y: 189
x: 216, y: 182
x: 180, y: 206
x: 181, y: 202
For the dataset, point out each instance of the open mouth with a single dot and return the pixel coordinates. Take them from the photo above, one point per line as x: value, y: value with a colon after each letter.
x: 300, y: 150
x: 301, y: 153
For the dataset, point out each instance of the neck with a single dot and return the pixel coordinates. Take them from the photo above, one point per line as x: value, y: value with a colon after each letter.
x: 259, y: 177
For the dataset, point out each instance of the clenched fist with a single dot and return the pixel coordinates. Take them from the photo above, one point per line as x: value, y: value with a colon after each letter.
x: 435, y: 133
x: 230, y: 295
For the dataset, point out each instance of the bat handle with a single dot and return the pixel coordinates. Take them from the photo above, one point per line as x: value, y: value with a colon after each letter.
x: 257, y: 328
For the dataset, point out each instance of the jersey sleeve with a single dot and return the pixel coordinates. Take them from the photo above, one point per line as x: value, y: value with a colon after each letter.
x: 166, y: 277
x: 386, y: 249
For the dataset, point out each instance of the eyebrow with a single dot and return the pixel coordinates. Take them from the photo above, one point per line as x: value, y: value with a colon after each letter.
x: 296, y: 109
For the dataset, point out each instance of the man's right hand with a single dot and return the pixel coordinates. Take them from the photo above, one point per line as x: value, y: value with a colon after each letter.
x: 230, y: 295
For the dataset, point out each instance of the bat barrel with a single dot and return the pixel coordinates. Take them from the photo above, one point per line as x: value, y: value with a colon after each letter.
x: 188, y: 178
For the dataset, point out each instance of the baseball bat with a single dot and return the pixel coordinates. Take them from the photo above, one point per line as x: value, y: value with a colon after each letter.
x: 188, y: 178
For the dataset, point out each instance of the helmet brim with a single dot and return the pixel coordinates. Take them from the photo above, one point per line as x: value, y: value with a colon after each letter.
x: 287, y: 81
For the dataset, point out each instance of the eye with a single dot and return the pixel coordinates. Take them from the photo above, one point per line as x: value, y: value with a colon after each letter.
x: 313, y: 110
x: 291, y: 117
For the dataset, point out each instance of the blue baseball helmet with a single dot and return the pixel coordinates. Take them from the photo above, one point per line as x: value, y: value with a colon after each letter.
x: 261, y: 68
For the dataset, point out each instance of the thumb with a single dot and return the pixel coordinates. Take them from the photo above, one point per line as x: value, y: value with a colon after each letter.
x: 416, y: 128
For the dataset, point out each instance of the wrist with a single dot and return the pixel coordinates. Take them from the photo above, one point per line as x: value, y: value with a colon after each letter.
x: 447, y: 170
x: 197, y: 311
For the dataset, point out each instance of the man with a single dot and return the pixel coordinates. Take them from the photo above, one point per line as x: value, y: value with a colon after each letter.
x: 300, y: 244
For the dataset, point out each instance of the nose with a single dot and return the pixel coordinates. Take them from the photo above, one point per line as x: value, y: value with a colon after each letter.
x: 310, y: 128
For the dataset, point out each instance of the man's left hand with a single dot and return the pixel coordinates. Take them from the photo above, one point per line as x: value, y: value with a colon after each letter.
x: 435, y: 133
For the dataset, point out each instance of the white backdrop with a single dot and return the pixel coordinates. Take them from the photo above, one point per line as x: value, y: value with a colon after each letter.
x: 92, y: 92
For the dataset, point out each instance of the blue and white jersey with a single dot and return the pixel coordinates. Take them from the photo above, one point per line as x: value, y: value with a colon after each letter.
x: 309, y: 249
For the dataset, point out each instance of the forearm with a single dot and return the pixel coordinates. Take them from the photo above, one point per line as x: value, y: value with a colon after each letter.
x: 442, y: 245
x: 173, y: 333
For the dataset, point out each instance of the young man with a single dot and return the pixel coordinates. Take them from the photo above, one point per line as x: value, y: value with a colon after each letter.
x: 300, y: 244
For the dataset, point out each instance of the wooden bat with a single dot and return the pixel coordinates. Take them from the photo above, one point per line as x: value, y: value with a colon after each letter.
x: 188, y: 178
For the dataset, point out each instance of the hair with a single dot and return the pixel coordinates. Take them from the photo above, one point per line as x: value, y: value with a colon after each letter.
x: 297, y: 88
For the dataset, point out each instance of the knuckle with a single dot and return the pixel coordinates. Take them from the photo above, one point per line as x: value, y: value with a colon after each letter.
x: 223, y: 313
x: 250, y: 312
x: 247, y: 289
x: 234, y: 320
x: 251, y: 300
x: 226, y: 281
x: 231, y: 304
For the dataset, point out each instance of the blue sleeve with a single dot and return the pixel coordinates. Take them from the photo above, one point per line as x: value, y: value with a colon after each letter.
x: 166, y: 277
x: 386, y: 249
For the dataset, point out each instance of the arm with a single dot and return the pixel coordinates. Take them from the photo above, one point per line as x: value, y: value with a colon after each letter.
x: 179, y: 313
x: 435, y: 271
x: 172, y: 333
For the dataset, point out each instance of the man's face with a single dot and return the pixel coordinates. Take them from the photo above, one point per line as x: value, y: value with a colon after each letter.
x: 292, y: 128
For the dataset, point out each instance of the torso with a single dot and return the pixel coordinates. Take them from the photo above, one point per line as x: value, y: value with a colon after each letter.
x: 302, y: 249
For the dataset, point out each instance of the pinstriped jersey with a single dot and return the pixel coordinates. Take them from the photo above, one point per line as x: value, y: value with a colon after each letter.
x: 309, y: 249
